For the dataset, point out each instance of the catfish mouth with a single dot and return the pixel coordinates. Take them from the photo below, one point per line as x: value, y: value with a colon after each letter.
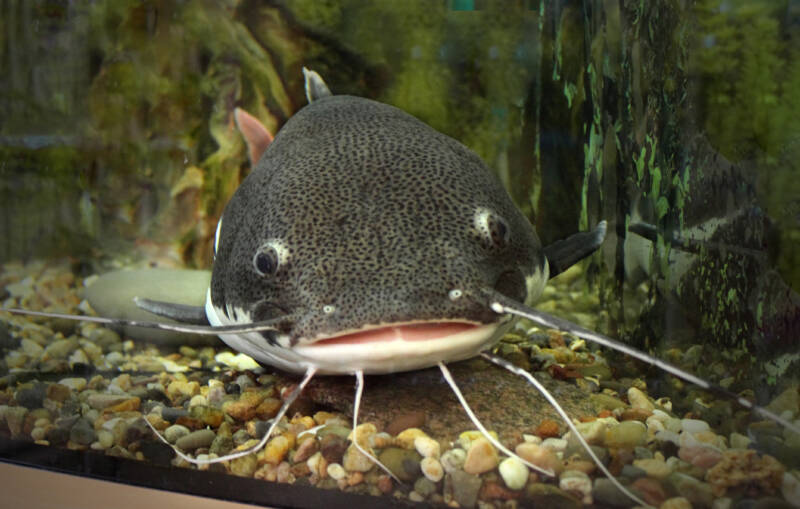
x: 408, y: 331
x: 403, y: 346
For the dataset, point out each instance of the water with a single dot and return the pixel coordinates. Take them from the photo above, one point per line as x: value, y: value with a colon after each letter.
x: 678, y: 124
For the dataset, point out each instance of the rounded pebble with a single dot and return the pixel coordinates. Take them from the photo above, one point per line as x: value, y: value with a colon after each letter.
x: 105, y: 438
x: 101, y: 401
x: 627, y: 435
x: 175, y: 432
x: 577, y: 483
x: 76, y: 384
x: 195, y: 440
x: 453, y: 460
x: 639, y: 399
x: 38, y: 433
x: 481, y: 457
x: 555, y: 444
x: 336, y: 471
x: 432, y: 469
x: 540, y: 456
x: 606, y: 493
x: 694, y: 425
x: 676, y: 503
x: 276, y: 450
x: 424, y: 486
x: 31, y: 348
x: 416, y: 497
x: 245, y: 466
x: 594, y: 432
x: 790, y: 488
x: 656, y: 468
x: 355, y: 461
x: 82, y: 432
x: 198, y: 400
x: 31, y: 397
x: 427, y: 447
x: 407, y: 437
x: 514, y: 473
x: 403, y: 463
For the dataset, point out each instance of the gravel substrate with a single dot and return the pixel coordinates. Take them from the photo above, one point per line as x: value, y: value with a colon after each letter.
x: 81, y: 386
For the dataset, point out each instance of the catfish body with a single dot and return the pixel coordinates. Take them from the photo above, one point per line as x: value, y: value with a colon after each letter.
x: 362, y: 216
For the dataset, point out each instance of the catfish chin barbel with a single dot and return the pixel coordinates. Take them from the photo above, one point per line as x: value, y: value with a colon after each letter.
x: 364, y: 241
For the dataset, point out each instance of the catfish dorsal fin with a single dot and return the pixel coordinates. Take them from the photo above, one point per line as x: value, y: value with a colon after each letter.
x: 255, y: 134
x: 564, y: 253
x: 315, y: 86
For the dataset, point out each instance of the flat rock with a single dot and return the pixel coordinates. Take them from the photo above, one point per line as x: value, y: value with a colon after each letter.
x: 504, y: 402
x: 112, y: 295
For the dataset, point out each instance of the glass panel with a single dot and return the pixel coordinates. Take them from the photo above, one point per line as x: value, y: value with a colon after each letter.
x: 137, y: 140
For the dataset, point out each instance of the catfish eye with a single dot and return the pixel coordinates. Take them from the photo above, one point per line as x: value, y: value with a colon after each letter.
x: 498, y: 231
x: 491, y: 228
x: 265, y: 261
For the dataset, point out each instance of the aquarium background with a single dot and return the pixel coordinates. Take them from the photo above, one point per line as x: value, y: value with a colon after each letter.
x: 118, y: 146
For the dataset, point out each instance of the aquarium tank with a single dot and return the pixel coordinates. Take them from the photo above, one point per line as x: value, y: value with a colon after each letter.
x: 491, y: 253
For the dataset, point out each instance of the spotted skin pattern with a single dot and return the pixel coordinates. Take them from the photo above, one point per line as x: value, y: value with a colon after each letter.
x: 377, y: 212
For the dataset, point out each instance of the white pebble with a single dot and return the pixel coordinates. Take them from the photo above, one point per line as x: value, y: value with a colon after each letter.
x: 673, y: 424
x: 688, y: 439
x: 313, y: 463
x: 453, y: 460
x: 514, y: 473
x: 532, y: 439
x: 115, y: 389
x: 336, y: 471
x: 38, y: 433
x: 694, y: 425
x: 240, y: 361
x: 105, y: 438
x: 432, y: 469
x: 791, y: 489
x: 668, y: 436
x: 660, y: 415
x: 593, y: 432
x: 427, y: 447
x: 664, y: 403
x: 198, y: 400
x: 577, y: 482
x: 555, y: 444
x: 654, y: 425
x: 114, y: 358
x: 638, y: 399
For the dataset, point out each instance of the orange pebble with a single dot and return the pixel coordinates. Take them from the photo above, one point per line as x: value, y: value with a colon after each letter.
x: 547, y: 429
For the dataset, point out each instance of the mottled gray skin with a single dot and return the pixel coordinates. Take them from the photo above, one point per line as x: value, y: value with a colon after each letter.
x: 377, y: 212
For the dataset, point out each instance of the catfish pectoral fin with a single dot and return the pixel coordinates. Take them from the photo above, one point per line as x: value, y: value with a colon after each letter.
x: 564, y: 253
x: 183, y: 313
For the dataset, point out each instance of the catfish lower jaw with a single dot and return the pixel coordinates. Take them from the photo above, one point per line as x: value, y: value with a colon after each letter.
x: 400, y: 347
